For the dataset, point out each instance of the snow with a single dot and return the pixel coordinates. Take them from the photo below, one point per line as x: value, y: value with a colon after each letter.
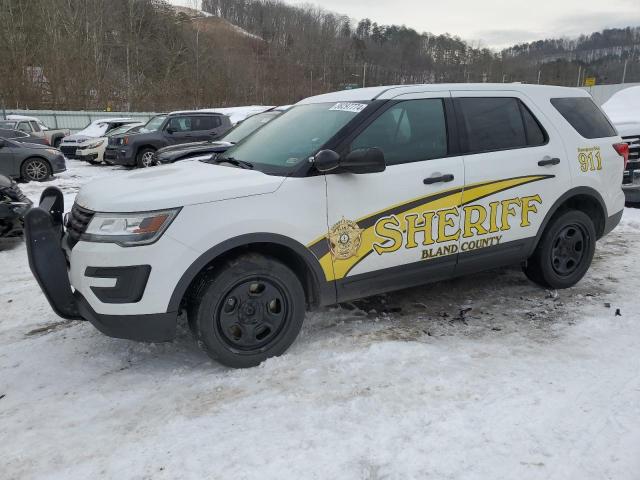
x: 624, y: 106
x: 527, y: 384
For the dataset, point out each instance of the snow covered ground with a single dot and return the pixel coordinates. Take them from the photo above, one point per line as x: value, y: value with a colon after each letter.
x: 483, y: 377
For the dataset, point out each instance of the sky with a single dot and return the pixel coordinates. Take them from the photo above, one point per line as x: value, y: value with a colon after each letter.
x: 491, y: 23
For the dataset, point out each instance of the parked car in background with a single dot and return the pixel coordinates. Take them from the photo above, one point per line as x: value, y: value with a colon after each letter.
x: 623, y: 108
x: 96, y: 129
x: 28, y: 161
x: 242, y: 129
x: 174, y: 128
x: 22, y: 137
x: 35, y: 126
x: 13, y: 207
x: 93, y: 150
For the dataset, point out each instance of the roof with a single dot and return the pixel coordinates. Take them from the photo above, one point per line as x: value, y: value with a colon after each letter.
x: 22, y: 117
x: 113, y: 119
x: 392, y: 91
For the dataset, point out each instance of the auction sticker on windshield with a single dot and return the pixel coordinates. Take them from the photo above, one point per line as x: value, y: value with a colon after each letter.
x: 349, y: 107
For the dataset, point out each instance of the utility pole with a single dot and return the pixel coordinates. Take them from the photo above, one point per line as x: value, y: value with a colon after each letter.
x: 539, y: 73
x: 364, y: 74
x: 579, y: 73
x: 624, y: 71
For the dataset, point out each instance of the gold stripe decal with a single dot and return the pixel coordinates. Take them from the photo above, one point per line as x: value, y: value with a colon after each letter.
x: 349, y: 242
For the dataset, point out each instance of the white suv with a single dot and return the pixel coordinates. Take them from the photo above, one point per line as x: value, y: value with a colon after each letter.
x: 346, y: 195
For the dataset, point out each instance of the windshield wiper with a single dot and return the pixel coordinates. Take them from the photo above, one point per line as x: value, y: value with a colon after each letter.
x: 232, y: 161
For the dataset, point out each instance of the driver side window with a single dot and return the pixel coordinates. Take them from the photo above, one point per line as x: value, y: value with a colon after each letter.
x: 410, y: 131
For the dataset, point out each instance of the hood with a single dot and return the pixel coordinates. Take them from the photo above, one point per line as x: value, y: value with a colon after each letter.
x: 77, y: 138
x: 181, y: 146
x: 36, y: 146
x: 174, y: 186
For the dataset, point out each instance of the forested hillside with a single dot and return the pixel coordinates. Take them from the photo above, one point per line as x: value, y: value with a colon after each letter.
x: 146, y: 55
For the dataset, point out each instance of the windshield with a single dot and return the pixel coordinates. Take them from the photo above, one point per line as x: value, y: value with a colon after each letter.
x: 119, y: 130
x: 154, y: 124
x: 7, y: 124
x: 94, y: 130
x: 293, y: 137
x: 248, y: 126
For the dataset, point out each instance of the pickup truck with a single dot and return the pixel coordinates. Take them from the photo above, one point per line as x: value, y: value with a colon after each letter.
x: 162, y: 130
x: 35, y: 126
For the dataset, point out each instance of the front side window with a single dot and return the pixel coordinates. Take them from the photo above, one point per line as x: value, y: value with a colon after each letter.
x: 280, y: 145
x: 34, y: 126
x: 584, y: 116
x: 410, y: 131
x: 180, y: 124
x: 25, y: 127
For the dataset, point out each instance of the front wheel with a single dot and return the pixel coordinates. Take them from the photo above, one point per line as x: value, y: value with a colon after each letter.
x: 565, y: 251
x: 248, y: 310
x: 35, y: 169
x: 144, y: 158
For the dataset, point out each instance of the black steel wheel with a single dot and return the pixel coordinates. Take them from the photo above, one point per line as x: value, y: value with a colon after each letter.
x: 247, y: 310
x: 564, y: 252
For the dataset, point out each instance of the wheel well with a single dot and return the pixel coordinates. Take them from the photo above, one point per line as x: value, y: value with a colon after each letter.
x: 284, y: 254
x: 589, y: 205
x: 143, y: 147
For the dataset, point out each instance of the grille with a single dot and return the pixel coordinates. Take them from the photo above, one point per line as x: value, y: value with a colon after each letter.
x: 77, y: 223
x: 69, y: 151
x: 634, y: 151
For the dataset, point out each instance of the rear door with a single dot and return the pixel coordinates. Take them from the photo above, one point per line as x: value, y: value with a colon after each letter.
x: 204, y: 127
x: 399, y: 227
x: 515, y: 170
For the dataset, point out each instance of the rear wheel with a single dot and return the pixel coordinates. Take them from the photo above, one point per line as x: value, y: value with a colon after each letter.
x: 248, y: 310
x: 565, y: 251
x: 145, y: 158
x: 35, y: 169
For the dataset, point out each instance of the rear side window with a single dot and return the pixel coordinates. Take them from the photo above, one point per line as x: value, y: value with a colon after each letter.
x: 584, y: 116
x: 498, y: 123
x: 205, y: 122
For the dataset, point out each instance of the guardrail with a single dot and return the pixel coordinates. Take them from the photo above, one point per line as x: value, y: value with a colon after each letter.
x: 76, y: 120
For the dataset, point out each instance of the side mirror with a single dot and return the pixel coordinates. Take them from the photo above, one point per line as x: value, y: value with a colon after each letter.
x: 364, y: 160
x: 170, y: 131
x: 326, y: 160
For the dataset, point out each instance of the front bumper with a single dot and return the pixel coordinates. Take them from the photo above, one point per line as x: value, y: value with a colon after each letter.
x: 119, y: 156
x: 44, y: 233
x: 58, y: 164
x: 631, y: 186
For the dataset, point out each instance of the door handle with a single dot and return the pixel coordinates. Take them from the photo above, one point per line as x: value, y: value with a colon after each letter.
x: 448, y: 177
x: 549, y: 161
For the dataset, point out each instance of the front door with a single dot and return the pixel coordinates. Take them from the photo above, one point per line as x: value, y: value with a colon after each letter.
x: 515, y: 170
x: 8, y: 165
x: 399, y: 227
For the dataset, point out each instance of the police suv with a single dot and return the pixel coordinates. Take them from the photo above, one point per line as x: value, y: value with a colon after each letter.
x: 346, y: 195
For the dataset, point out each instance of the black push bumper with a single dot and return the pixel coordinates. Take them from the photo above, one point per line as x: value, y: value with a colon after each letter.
x: 44, y: 233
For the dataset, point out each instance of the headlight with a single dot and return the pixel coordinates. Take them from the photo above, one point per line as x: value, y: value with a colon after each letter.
x: 53, y: 151
x: 129, y: 229
x: 95, y: 144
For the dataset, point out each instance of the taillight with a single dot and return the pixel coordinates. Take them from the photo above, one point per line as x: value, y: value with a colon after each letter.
x: 623, y: 151
x: 46, y: 141
x: 125, y: 141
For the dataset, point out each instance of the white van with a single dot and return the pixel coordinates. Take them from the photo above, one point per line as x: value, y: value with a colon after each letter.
x: 345, y: 195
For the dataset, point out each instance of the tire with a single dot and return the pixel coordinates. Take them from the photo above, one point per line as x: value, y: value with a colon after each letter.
x: 35, y: 169
x: 565, y: 251
x: 94, y: 162
x: 248, y: 310
x: 144, y: 158
x: 57, y: 142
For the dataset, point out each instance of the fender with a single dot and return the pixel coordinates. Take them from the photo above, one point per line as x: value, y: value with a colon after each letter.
x: 326, y: 290
x: 587, y: 191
